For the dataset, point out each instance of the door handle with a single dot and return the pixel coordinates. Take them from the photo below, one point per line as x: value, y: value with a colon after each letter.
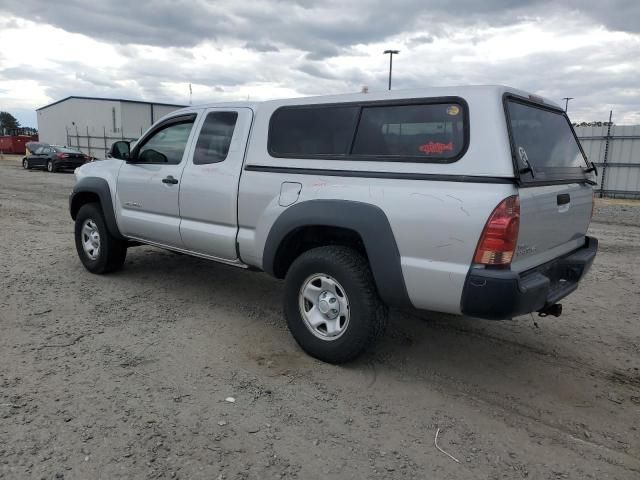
x: 170, y: 180
x: 563, y: 198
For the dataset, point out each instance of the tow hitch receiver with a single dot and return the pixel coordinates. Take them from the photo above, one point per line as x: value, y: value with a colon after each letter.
x: 555, y: 310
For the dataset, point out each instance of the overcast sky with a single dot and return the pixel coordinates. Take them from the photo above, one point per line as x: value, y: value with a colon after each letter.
x: 587, y: 49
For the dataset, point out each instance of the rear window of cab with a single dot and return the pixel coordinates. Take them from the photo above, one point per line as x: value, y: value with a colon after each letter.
x: 425, y: 130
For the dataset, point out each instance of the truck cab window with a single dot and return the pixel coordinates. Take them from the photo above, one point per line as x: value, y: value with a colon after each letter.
x: 166, y: 145
x: 215, y: 138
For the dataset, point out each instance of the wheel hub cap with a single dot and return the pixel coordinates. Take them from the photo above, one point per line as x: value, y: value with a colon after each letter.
x: 324, y: 306
x: 90, y: 237
x: 328, y: 305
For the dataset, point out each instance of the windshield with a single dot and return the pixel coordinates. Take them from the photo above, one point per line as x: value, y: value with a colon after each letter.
x: 544, y: 142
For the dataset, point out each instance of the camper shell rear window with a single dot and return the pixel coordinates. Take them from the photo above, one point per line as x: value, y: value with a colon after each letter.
x: 432, y: 130
x: 544, y: 145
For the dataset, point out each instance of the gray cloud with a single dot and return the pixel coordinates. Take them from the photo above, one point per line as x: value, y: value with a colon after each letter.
x: 261, y: 47
x: 8, y: 23
x: 316, y: 70
x: 419, y: 40
x: 97, y: 80
x: 620, y: 15
x: 320, y: 28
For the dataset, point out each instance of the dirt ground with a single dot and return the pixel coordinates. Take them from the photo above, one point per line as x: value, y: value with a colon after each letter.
x: 126, y: 375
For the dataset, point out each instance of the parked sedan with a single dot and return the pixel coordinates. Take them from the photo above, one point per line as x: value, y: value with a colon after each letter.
x: 54, y: 158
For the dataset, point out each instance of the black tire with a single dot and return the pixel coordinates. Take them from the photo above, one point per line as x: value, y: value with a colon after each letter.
x: 25, y: 164
x: 368, y: 314
x: 51, y: 166
x: 112, y: 251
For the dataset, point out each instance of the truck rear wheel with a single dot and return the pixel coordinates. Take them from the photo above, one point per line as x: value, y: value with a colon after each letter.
x: 331, y: 304
x: 99, y: 251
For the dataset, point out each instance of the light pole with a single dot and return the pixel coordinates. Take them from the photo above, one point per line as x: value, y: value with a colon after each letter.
x: 566, y: 103
x: 391, y: 54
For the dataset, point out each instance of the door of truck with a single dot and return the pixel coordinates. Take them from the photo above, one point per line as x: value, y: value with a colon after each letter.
x: 209, y: 185
x: 148, y: 184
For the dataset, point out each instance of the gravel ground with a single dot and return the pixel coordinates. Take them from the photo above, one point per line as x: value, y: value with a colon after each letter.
x: 127, y: 375
x: 618, y: 212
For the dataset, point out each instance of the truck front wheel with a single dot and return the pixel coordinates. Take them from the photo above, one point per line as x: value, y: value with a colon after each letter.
x: 99, y: 251
x: 331, y: 304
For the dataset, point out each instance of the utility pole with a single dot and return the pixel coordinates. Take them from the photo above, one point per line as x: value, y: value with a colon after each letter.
x: 566, y: 103
x: 391, y: 54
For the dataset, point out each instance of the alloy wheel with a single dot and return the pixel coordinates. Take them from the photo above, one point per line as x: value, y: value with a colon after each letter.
x: 324, y: 306
x: 90, y: 237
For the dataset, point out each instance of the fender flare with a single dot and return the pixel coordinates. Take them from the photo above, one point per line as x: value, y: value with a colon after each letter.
x: 100, y: 187
x: 369, y: 221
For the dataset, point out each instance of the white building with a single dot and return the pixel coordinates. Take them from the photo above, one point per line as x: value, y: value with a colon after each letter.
x: 93, y: 124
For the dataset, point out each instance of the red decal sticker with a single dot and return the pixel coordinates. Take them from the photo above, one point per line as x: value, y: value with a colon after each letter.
x: 436, y: 147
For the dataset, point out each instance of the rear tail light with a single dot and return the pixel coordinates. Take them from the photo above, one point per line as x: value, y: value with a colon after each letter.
x: 500, y: 235
x: 62, y: 155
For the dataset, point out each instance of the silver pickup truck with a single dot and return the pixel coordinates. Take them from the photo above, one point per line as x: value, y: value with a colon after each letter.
x: 467, y: 200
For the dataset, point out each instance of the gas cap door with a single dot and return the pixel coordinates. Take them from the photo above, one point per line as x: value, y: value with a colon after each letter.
x: 289, y: 193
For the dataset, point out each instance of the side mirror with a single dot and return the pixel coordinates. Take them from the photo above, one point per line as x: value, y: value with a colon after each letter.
x: 121, y: 150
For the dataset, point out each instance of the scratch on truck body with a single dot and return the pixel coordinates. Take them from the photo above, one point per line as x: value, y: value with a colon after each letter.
x: 427, y: 195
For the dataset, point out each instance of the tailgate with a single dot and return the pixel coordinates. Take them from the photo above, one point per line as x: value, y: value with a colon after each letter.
x: 553, y: 221
x: 555, y: 192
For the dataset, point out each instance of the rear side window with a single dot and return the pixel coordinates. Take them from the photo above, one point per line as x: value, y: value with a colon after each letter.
x: 433, y: 131
x: 542, y: 140
x: 312, y: 130
x: 419, y: 131
x: 215, y: 138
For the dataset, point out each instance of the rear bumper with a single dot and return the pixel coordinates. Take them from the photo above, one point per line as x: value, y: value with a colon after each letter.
x: 503, y: 294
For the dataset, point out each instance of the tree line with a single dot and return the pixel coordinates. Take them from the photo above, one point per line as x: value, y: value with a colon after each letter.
x: 9, y: 125
x: 592, y: 124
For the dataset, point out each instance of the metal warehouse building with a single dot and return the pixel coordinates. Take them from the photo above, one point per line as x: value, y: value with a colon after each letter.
x: 93, y: 124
